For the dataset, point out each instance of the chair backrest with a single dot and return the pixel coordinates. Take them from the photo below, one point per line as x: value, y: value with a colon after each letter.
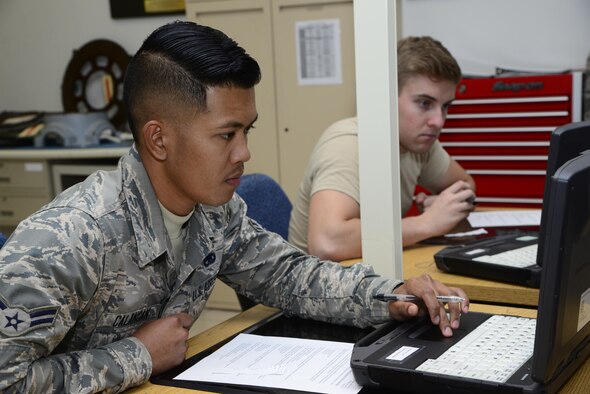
x: 2, y: 239
x: 267, y: 202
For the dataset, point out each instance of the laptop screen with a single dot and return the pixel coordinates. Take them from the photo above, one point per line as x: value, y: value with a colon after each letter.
x: 563, y: 331
x: 567, y: 142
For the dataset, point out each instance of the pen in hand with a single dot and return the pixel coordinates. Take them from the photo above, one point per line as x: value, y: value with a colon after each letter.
x: 411, y: 298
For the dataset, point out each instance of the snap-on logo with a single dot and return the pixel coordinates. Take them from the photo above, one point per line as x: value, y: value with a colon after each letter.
x: 502, y: 86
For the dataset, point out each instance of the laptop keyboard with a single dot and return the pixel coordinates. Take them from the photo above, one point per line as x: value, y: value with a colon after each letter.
x: 494, y: 351
x: 521, y: 257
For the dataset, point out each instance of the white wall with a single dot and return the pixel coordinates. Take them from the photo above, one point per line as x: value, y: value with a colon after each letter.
x: 537, y: 35
x: 37, y: 39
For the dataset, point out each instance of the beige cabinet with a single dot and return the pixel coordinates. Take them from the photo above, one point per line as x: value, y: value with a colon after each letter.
x: 30, y: 178
x: 25, y: 186
x: 305, y: 111
x: 292, y: 115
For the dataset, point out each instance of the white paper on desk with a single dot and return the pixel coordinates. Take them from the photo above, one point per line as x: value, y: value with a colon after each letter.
x: 478, y: 231
x: 290, y: 363
x: 509, y: 218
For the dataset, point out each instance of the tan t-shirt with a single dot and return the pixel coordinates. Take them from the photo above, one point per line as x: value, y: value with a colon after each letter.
x: 334, y: 165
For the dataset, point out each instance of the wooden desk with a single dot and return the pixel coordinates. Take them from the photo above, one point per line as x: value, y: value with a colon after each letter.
x: 577, y: 384
x: 419, y: 259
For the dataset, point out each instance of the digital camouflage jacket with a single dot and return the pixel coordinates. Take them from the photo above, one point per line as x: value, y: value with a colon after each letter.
x: 79, y: 276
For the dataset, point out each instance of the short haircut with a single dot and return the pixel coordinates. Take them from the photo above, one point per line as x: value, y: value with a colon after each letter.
x: 176, y: 64
x: 425, y: 56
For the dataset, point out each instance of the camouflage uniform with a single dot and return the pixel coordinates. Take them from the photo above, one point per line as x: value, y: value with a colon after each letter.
x: 81, y: 275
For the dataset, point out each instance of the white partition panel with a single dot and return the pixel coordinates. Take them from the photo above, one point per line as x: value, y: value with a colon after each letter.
x: 376, y: 86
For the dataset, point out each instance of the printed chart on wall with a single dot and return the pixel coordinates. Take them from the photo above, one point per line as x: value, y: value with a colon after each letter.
x: 319, y: 60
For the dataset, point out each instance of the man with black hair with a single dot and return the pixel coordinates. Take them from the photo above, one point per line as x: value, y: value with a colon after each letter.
x: 99, y: 288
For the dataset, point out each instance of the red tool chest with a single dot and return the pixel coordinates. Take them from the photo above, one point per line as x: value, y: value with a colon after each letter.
x: 498, y: 129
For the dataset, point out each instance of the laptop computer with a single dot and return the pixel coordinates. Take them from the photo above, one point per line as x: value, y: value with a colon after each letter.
x: 414, y: 356
x: 515, y: 257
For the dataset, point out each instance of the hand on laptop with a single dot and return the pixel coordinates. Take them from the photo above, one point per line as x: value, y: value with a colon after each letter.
x: 426, y: 288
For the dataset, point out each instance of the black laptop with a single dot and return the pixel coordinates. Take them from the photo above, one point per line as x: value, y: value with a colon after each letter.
x: 545, y: 352
x: 516, y: 257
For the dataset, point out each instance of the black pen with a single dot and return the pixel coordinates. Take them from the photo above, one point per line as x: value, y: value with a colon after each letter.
x: 411, y: 297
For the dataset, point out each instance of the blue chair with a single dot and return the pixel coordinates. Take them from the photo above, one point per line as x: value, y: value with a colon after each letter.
x: 267, y: 202
x: 268, y: 205
x: 2, y: 239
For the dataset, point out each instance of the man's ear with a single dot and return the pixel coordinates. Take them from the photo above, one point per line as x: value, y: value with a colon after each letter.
x: 153, y: 138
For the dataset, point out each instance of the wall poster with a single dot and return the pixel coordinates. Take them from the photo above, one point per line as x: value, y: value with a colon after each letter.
x: 319, y: 59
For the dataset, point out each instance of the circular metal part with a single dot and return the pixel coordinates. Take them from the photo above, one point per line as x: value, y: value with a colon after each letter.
x: 93, y: 80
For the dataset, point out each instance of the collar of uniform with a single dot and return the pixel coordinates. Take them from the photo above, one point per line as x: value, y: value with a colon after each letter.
x: 146, y: 218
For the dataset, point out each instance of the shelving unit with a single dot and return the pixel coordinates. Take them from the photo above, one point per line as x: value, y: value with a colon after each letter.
x: 27, y: 180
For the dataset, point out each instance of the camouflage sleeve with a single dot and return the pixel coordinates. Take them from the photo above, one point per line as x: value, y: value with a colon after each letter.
x: 110, y: 369
x: 49, y: 271
x: 267, y: 269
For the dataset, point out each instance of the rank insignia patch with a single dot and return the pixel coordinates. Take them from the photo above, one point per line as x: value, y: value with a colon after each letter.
x: 17, y: 320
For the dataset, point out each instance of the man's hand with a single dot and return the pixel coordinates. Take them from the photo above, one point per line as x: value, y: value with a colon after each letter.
x: 166, y: 340
x: 446, y: 210
x: 424, y: 201
x: 426, y: 288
